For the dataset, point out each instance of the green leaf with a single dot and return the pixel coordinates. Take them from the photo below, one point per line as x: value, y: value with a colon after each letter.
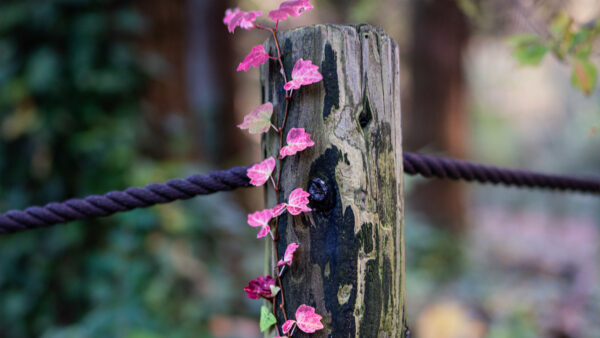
x: 274, y: 290
x: 266, y: 319
x: 528, y: 49
x: 584, y: 75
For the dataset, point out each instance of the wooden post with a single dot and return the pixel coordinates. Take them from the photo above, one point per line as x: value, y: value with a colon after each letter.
x: 350, y: 264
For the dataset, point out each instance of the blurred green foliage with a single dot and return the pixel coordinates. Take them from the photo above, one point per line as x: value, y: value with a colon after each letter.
x: 567, y: 41
x: 71, y: 124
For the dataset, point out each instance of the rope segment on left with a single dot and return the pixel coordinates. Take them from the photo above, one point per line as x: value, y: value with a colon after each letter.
x: 115, y: 201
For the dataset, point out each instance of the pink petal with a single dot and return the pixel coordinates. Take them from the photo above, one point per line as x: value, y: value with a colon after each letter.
x: 291, y: 8
x: 287, y: 326
x: 307, y: 320
x: 259, y: 120
x: 261, y: 219
x: 297, y: 140
x: 235, y: 17
x: 298, y: 202
x: 278, y: 209
x: 289, y: 254
x: 257, y: 57
x: 263, y: 231
x: 260, y: 172
x: 304, y: 73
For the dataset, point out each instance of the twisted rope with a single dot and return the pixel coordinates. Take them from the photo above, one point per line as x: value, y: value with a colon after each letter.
x: 116, y: 201
x: 222, y: 180
x: 440, y: 167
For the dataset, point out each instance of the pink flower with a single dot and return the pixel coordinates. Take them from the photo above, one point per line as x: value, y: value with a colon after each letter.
x: 297, y: 140
x: 235, y: 17
x: 261, y: 219
x: 306, y: 320
x: 291, y: 8
x: 257, y: 57
x: 260, y: 287
x: 304, y: 73
x: 258, y: 120
x: 278, y: 209
x: 289, y: 255
x: 260, y: 172
x: 298, y: 202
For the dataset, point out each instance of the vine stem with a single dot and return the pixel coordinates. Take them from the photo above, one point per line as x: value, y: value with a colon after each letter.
x: 279, y: 160
x: 277, y: 185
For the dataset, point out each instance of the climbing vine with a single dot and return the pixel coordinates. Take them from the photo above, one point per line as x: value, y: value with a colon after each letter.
x: 259, y: 121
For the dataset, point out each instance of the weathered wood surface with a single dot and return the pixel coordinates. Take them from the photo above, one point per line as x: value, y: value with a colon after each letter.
x: 350, y: 264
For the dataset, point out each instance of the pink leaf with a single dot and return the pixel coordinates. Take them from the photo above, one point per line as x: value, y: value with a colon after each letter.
x: 304, y: 73
x: 291, y: 8
x: 297, y: 140
x: 261, y: 219
x: 235, y: 17
x: 258, y: 120
x: 260, y: 287
x: 257, y: 57
x: 307, y: 320
x: 287, y: 326
x: 289, y: 255
x: 278, y: 209
x: 260, y: 172
x: 298, y: 202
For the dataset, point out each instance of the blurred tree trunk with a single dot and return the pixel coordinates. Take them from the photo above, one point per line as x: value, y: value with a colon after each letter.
x: 192, y: 92
x: 210, y: 68
x: 437, y: 115
x: 165, y: 95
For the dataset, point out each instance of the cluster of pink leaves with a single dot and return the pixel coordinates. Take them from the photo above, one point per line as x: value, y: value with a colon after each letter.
x: 304, y: 71
x: 237, y: 18
x: 297, y: 204
x: 259, y: 121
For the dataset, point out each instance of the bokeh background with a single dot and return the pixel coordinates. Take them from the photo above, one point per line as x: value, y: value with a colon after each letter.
x: 100, y: 95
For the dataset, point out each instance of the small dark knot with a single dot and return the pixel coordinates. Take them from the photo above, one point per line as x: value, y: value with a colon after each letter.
x: 322, y: 196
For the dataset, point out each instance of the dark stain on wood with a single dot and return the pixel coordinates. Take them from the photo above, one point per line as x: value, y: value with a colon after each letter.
x: 381, y: 139
x: 365, y: 115
x: 334, y: 248
x: 346, y: 160
x: 369, y: 325
x: 365, y: 237
x: 386, y: 283
x: 330, y: 81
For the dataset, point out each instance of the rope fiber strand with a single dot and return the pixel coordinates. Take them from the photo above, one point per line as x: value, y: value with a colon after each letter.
x: 116, y: 201
x: 222, y: 180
